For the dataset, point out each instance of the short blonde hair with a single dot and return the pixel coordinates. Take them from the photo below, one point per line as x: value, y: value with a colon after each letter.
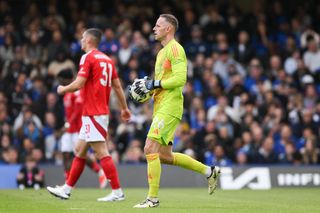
x: 171, y: 19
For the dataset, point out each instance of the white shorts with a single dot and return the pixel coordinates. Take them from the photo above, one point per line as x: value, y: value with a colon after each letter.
x: 94, y: 128
x: 68, y: 141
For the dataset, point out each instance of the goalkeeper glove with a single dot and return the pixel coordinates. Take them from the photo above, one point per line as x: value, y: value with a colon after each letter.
x: 152, y: 84
x: 139, y: 87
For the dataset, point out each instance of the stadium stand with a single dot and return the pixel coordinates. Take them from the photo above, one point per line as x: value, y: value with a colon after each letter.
x: 252, y: 95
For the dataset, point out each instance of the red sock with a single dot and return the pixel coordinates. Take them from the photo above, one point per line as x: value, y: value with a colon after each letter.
x: 110, y: 171
x: 66, y: 174
x: 76, y: 170
x: 95, y: 167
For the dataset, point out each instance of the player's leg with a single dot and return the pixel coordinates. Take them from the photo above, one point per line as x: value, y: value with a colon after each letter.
x: 97, y: 135
x: 67, y: 161
x: 67, y: 149
x: 182, y: 160
x: 151, y: 151
x: 76, y: 170
x: 160, y: 127
x: 78, y: 162
x: 92, y: 163
x: 178, y: 159
x: 90, y: 160
x: 101, y: 152
x: 95, y: 167
x: 185, y: 161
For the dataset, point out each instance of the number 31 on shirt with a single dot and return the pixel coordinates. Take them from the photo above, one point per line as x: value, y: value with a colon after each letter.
x: 106, y: 79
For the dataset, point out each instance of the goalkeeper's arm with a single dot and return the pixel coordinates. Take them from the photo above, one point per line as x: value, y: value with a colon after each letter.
x: 177, y: 80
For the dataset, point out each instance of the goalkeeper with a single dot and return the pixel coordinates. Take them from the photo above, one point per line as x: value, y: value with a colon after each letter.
x: 167, y: 86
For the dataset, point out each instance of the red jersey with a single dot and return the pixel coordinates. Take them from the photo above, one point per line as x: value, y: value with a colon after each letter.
x: 99, y: 70
x: 73, y: 109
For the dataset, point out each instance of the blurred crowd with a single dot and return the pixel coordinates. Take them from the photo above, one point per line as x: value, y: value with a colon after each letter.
x: 252, y: 95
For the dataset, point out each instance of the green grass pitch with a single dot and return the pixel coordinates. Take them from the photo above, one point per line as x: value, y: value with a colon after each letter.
x: 194, y: 200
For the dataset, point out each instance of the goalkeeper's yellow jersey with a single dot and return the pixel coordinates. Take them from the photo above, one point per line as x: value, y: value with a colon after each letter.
x: 171, y: 69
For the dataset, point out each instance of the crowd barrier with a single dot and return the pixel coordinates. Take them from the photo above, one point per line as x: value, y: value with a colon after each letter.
x: 232, y: 178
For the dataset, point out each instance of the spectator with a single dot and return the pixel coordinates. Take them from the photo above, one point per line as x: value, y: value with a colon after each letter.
x: 7, y: 51
x: 134, y: 154
x: 212, y: 22
x: 34, y: 51
x: 244, y: 52
x: 25, y: 116
x: 254, y: 76
x: 196, y: 44
x: 31, y: 131
x: 57, y: 46
x: 59, y: 63
x: 226, y: 66
x: 30, y: 176
x: 217, y: 156
x: 307, y: 35
x: 241, y: 159
x: 310, y: 96
x: 275, y: 64
x: 19, y: 95
x: 4, y: 116
x: 5, y: 142
x: 222, y: 106
x: 266, y: 154
x: 312, y: 54
x: 200, y: 137
x: 306, y: 121
x: 310, y: 152
x: 9, y: 155
x: 261, y: 41
x: 54, y: 105
x: 50, y: 136
x: 26, y: 148
x: 109, y: 44
x: 125, y: 51
x: 291, y: 62
x: 289, y: 155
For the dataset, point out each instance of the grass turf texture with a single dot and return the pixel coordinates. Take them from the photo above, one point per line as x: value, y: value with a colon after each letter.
x: 193, y: 200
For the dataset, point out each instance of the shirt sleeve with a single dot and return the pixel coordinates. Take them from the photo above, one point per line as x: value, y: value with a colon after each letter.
x: 84, y: 66
x: 178, y: 60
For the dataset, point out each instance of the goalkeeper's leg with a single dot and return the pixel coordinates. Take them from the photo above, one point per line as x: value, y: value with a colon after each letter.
x: 185, y: 161
x: 151, y: 150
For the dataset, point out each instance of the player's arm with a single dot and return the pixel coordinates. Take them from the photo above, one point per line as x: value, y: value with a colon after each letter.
x: 179, y: 69
x: 125, y: 112
x: 179, y: 78
x: 74, y: 86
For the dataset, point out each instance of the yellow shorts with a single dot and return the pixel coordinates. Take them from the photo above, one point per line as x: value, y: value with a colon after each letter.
x: 163, y: 128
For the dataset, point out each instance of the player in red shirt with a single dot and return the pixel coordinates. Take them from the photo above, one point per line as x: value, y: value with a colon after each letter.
x: 73, y: 109
x: 96, y: 76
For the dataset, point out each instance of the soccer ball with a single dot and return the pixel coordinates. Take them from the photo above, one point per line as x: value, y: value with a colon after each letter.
x: 136, y: 94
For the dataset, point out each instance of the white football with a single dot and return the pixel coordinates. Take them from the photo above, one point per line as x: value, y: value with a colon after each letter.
x: 137, y: 95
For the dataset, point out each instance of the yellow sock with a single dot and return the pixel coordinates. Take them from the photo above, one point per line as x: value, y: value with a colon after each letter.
x: 154, y: 173
x: 187, y: 162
